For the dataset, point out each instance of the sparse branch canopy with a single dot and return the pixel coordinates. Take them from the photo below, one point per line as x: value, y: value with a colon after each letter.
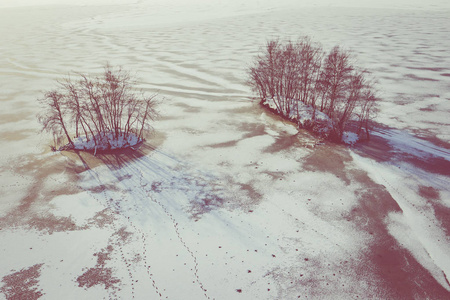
x: 104, y: 112
x: 324, y: 92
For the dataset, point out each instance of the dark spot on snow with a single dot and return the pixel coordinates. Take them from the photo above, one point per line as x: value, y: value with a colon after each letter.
x: 157, y: 187
x: 98, y: 276
x: 239, y: 290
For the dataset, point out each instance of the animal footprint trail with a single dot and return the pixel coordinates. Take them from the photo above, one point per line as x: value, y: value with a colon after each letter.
x: 177, y: 232
x: 120, y: 225
x: 115, y: 209
x: 148, y: 267
x: 140, y: 233
x: 143, y: 242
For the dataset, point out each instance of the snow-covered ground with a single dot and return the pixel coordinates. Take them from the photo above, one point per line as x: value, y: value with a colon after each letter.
x: 107, y: 142
x: 226, y: 201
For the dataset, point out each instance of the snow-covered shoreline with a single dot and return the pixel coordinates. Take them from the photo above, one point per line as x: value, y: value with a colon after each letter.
x: 315, y: 121
x: 104, y: 142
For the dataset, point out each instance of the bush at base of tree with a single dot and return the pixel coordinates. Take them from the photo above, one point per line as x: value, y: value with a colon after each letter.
x: 103, y: 112
x: 294, y: 76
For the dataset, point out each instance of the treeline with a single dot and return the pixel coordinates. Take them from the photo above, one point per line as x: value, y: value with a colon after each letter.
x: 293, y: 75
x: 101, y: 109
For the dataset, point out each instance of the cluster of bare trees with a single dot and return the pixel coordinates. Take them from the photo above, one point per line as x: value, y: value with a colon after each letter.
x: 294, y: 74
x: 102, y: 109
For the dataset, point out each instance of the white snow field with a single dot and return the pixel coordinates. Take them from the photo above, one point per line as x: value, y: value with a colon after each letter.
x: 225, y: 200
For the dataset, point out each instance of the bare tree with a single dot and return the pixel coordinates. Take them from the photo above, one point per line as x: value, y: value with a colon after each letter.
x: 53, y: 118
x: 336, y: 74
x: 367, y: 109
x: 310, y: 62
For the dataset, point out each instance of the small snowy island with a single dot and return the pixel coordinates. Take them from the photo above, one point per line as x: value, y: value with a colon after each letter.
x: 325, y: 93
x: 105, y: 113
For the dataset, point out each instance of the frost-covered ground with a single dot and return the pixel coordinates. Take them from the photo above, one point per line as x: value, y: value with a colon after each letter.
x: 226, y: 201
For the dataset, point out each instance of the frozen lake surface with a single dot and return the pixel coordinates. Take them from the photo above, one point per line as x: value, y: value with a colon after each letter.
x: 225, y: 201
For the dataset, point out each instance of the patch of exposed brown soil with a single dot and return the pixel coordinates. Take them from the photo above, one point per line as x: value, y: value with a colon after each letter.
x: 23, y: 284
x: 403, y: 276
x: 99, y: 274
x: 123, y: 235
x: 436, y: 165
x: 30, y: 211
x: 329, y: 158
x: 284, y: 143
x: 228, y: 144
x: 252, y: 129
x: 102, y: 218
x: 429, y: 193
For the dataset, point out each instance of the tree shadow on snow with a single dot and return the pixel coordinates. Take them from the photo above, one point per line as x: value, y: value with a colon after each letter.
x: 388, y: 144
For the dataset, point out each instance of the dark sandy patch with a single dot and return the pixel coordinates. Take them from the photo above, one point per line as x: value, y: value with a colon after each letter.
x: 429, y: 192
x: 329, y: 158
x: 30, y: 211
x: 100, y: 274
x: 23, y: 284
x: 251, y: 129
x: 102, y: 218
x: 399, y: 274
x: 228, y: 144
x: 402, y: 275
x: 123, y: 235
x: 284, y: 143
